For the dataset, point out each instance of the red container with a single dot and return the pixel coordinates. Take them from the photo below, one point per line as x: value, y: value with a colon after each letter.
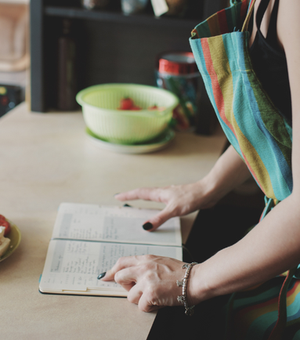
x: 178, y: 73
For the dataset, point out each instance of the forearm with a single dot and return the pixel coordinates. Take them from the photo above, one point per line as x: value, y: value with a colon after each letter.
x: 271, y: 248
x: 228, y: 173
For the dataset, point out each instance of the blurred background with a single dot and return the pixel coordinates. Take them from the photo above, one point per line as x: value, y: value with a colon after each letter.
x: 14, y: 52
x: 74, y: 44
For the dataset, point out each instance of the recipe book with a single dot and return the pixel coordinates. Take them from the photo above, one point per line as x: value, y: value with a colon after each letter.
x: 88, y: 240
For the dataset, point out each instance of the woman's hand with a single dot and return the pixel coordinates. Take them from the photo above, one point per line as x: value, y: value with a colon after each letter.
x: 179, y: 200
x: 150, y: 280
x: 229, y: 172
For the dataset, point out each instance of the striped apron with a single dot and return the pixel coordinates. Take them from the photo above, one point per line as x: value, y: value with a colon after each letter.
x: 263, y: 139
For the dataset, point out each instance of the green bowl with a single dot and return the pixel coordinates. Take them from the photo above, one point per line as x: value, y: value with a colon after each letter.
x: 101, y: 114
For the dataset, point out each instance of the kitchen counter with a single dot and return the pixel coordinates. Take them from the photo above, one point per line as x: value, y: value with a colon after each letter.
x: 47, y: 159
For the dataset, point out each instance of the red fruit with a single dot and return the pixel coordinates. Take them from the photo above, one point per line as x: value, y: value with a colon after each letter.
x: 154, y: 107
x: 135, y: 108
x: 126, y: 104
x: 4, y: 223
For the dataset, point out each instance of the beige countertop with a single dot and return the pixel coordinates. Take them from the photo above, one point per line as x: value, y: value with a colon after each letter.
x: 47, y: 159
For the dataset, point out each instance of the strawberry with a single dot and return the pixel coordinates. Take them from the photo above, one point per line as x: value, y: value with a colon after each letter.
x: 153, y: 107
x: 126, y: 104
x: 156, y: 108
x: 4, y: 223
x: 135, y: 108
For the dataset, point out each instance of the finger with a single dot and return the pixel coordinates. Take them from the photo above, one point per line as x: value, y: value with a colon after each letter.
x: 126, y: 283
x: 137, y: 295
x: 147, y: 194
x: 128, y: 279
x: 156, y: 221
x: 127, y: 276
x: 123, y: 262
x: 109, y: 276
x: 134, y: 294
x: 147, y: 305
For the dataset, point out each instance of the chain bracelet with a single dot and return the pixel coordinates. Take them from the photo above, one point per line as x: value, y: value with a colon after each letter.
x: 189, y: 310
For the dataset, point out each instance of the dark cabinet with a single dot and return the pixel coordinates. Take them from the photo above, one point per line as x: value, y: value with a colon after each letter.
x: 110, y: 47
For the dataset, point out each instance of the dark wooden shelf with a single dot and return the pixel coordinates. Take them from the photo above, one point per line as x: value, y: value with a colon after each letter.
x: 118, y: 17
x: 111, y: 46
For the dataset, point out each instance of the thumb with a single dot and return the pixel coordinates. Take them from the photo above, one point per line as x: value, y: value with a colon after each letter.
x: 157, y: 220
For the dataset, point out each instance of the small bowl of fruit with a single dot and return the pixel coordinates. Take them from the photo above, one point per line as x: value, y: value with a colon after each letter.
x: 126, y: 113
x: 10, y: 238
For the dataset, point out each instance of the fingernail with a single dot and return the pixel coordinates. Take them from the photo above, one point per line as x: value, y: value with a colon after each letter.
x: 148, y: 226
x: 127, y: 205
x: 101, y: 276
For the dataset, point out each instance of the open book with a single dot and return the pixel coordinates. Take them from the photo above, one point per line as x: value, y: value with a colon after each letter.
x: 88, y: 240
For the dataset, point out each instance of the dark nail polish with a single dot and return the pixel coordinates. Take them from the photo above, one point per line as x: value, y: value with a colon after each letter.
x: 101, y: 276
x: 126, y: 205
x: 148, y: 226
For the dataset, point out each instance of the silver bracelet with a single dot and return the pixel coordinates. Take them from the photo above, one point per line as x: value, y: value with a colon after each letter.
x: 189, y: 310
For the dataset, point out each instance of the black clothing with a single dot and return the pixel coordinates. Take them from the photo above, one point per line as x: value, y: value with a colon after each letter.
x: 269, y: 62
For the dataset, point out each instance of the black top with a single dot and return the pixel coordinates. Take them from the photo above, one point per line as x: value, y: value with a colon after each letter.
x: 269, y: 62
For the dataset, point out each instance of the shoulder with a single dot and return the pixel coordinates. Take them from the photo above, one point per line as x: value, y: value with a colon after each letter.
x: 288, y: 28
x: 288, y: 24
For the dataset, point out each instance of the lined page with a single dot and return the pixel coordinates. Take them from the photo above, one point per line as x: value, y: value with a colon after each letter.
x: 72, y: 267
x: 113, y: 224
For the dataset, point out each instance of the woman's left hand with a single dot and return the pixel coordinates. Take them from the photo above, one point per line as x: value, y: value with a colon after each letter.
x: 150, y: 280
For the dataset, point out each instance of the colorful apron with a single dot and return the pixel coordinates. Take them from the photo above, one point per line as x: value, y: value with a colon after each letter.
x: 263, y: 139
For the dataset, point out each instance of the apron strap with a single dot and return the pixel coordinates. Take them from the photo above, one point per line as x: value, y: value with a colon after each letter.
x: 247, y: 19
x: 279, y: 327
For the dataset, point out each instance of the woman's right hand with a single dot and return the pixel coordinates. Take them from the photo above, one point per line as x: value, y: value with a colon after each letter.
x: 228, y: 172
x: 179, y: 200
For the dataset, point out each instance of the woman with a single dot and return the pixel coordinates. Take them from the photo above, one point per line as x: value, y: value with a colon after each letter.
x: 269, y: 249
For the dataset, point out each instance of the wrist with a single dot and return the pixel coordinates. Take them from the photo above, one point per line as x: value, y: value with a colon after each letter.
x: 198, y: 289
x: 210, y: 192
x: 229, y: 172
x: 189, y: 309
